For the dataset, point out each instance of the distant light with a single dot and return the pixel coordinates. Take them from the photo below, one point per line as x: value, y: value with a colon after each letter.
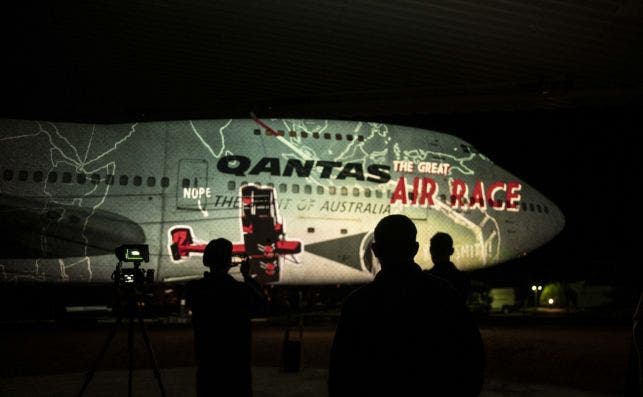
x: 135, y: 252
x: 533, y: 287
x: 551, y: 301
x: 540, y: 287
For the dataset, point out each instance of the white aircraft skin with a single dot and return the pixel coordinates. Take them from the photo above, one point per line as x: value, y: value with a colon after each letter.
x: 71, y: 193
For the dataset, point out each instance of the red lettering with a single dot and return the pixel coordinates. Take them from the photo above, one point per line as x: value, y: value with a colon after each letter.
x: 513, y: 195
x: 477, y: 197
x: 399, y: 194
x: 458, y: 192
x: 416, y: 188
x: 429, y: 190
x: 491, y: 193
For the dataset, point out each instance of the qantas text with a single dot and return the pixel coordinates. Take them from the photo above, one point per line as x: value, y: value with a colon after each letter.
x: 242, y: 166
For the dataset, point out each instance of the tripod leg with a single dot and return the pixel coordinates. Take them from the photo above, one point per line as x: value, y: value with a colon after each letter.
x: 90, y: 374
x: 150, y: 352
x: 130, y: 351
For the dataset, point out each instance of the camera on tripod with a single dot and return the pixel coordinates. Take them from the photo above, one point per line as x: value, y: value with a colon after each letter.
x: 132, y: 277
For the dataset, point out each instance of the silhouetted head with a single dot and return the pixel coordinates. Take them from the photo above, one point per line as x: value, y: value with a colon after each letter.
x: 395, y: 241
x: 218, y: 255
x: 441, y: 247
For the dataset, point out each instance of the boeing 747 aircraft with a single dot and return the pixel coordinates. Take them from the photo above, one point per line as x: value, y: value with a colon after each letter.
x: 300, y: 198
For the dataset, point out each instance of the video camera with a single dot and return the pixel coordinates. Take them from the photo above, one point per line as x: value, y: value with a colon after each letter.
x: 132, y: 277
x: 238, y: 259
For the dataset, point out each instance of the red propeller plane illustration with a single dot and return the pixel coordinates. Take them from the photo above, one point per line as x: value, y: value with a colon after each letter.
x: 264, y: 240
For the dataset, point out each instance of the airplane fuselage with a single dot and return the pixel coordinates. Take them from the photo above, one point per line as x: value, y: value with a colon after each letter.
x: 300, y: 197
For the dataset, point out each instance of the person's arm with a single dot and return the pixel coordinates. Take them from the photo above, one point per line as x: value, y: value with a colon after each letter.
x: 258, y: 300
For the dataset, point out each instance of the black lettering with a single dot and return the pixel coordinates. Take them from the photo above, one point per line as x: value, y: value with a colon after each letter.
x: 224, y: 165
x: 379, y: 170
x: 327, y: 167
x: 353, y: 170
x: 267, y: 164
x: 297, y: 166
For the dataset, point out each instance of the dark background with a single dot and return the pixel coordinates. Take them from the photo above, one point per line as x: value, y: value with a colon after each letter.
x: 552, y: 91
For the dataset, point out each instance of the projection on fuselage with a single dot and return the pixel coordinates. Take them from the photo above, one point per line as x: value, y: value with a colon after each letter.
x: 300, y: 198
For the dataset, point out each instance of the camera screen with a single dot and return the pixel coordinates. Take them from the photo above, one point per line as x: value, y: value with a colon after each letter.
x: 133, y: 254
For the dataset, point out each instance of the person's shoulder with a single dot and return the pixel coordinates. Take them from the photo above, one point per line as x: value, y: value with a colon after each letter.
x: 193, y: 284
x: 435, y: 282
x: 360, y: 296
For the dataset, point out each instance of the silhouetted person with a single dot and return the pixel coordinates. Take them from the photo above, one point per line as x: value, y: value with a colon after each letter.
x: 221, y: 309
x: 441, y: 249
x: 406, y: 333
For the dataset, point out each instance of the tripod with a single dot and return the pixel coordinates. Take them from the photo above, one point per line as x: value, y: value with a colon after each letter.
x: 132, y: 298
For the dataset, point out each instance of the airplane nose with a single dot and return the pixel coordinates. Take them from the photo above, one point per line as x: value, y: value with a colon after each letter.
x: 556, y: 218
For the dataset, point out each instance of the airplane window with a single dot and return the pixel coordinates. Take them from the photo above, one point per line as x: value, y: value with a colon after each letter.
x: 138, y: 180
x: 81, y: 179
x: 332, y: 190
x: 344, y: 191
x: 443, y: 197
x: 531, y: 207
x: 338, y: 137
x: 8, y: 175
x: 378, y: 193
x: 355, y: 192
x: 343, y: 231
x: 546, y: 209
x: 270, y: 184
x: 37, y: 176
x: 410, y: 195
x: 282, y: 188
x: 304, y: 134
x: 257, y: 132
x: 165, y: 181
x: 67, y: 177
x: 122, y: 180
x: 360, y: 138
x: 367, y: 192
x: 22, y: 175
x: 326, y: 135
x: 349, y: 137
x: 185, y: 183
x: 109, y: 179
x: 295, y: 188
x: 52, y: 177
x: 258, y: 183
x: 151, y: 181
x: 316, y: 135
x: 95, y: 179
x: 389, y: 193
x: 540, y: 210
x: 311, y: 230
x: 523, y: 205
x: 293, y: 134
x: 231, y: 185
x: 320, y: 190
x: 308, y: 189
x: 465, y: 148
x: 243, y: 183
